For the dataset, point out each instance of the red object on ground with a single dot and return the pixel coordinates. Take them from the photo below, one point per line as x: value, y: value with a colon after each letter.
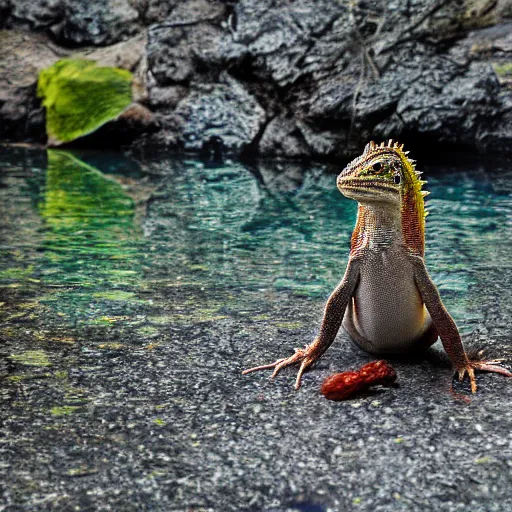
x: 341, y: 386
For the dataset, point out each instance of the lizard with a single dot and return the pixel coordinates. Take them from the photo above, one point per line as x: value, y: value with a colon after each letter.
x: 387, y: 301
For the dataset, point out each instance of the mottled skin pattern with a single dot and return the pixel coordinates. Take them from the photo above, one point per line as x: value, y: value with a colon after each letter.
x: 386, y: 300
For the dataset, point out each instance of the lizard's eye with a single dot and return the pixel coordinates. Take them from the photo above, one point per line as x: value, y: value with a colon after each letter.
x: 377, y: 166
x: 397, y: 179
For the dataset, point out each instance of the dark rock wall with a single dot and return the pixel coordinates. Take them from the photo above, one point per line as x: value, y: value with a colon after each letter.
x: 303, y: 78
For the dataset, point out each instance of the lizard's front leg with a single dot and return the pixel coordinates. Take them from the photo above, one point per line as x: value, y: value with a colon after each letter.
x: 333, y: 316
x: 447, y: 329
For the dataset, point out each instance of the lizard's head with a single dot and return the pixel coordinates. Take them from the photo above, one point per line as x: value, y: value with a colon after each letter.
x: 384, y: 174
x: 380, y: 174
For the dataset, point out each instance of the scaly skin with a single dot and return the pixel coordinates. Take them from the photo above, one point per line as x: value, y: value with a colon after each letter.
x: 386, y: 300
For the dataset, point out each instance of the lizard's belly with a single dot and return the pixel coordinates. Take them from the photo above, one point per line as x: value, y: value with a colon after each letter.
x: 386, y: 313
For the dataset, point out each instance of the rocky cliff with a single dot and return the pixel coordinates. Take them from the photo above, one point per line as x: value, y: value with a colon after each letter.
x: 284, y: 78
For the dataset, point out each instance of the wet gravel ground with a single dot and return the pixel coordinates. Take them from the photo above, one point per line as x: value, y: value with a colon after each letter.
x: 137, y: 402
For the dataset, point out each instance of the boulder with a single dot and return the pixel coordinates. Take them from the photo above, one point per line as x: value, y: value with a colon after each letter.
x: 187, y: 44
x: 96, y: 23
x: 25, y: 54
x: 22, y: 57
x: 224, y: 111
x: 35, y: 14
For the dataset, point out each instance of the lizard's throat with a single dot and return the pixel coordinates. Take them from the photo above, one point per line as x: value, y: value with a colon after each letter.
x: 378, y: 226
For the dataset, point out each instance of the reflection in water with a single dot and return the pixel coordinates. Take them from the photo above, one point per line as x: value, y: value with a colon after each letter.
x: 90, y: 241
x: 78, y: 195
x: 227, y: 229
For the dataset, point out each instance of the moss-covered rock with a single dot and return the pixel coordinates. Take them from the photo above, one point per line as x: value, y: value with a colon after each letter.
x: 80, y: 96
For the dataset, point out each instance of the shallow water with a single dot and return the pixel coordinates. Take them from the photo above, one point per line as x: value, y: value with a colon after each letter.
x: 131, y: 293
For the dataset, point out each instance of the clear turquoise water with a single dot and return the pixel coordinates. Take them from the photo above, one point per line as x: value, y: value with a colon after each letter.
x: 85, y: 244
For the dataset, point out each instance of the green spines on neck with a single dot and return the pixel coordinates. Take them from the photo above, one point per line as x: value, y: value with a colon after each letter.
x: 412, y: 206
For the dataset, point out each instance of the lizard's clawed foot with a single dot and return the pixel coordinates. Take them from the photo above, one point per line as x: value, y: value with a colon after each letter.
x: 483, y: 366
x: 305, y: 356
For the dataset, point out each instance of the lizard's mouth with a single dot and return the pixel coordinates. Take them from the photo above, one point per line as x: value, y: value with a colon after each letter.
x: 366, y: 187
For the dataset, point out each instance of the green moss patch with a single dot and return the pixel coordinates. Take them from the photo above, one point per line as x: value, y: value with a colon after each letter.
x: 80, y: 96
x: 289, y: 325
x: 115, y: 295
x: 16, y: 273
x: 31, y: 358
x: 504, y: 69
x: 65, y: 410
